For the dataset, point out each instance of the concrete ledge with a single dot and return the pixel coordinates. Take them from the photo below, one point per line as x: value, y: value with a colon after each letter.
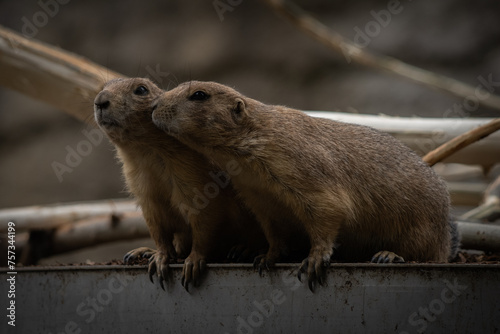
x: 405, y: 298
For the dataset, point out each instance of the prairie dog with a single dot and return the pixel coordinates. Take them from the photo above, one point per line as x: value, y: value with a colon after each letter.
x: 188, y: 203
x: 345, y: 186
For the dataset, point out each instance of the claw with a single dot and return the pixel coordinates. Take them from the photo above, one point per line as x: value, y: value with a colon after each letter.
x: 161, y: 279
x: 302, y: 269
x: 315, y: 269
x: 398, y: 259
x: 387, y: 257
x: 203, y: 266
x: 263, y: 265
x: 185, y: 285
x: 151, y: 270
x: 194, y: 266
x: 147, y: 255
x: 129, y: 257
x: 320, y: 280
x: 261, y: 262
x: 186, y: 274
x: 311, y: 285
x: 142, y: 252
x: 158, y: 265
x: 196, y: 273
x: 164, y: 271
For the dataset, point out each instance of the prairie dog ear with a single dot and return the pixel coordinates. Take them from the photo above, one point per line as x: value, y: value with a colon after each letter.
x: 239, y: 109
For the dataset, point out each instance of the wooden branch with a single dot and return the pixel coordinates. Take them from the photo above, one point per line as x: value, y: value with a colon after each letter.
x: 57, y: 215
x: 99, y: 230
x: 461, y: 141
x: 351, y: 51
x: 47, y: 73
x: 131, y: 225
x: 480, y: 236
x: 425, y: 134
x: 490, y: 208
x: 79, y: 235
x: 53, y: 216
x: 466, y: 193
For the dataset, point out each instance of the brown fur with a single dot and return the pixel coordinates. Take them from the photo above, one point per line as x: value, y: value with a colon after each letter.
x: 166, y: 177
x: 343, y: 185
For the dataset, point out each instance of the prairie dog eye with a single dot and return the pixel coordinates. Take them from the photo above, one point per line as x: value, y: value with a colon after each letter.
x: 141, y: 90
x: 199, y: 96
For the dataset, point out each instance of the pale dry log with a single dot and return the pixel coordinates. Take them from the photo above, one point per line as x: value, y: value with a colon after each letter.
x: 490, y: 208
x: 99, y: 230
x: 480, y: 236
x: 52, y: 75
x: 466, y: 193
x: 38, y: 244
x: 131, y: 225
x: 352, y: 52
x: 462, y: 141
x: 53, y: 216
x: 425, y: 134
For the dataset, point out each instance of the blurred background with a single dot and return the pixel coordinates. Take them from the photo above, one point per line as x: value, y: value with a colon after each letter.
x: 248, y: 47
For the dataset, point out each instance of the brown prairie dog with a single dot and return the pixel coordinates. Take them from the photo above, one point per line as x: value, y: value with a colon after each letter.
x: 169, y: 181
x: 344, y: 186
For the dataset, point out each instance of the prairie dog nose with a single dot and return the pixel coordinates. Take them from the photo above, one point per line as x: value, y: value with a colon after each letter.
x: 102, y: 100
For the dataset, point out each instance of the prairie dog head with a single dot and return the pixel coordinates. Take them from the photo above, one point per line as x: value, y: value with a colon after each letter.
x: 203, y: 114
x: 123, y: 109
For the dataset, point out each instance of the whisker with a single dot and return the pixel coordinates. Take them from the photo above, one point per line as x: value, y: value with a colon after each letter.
x: 139, y: 67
